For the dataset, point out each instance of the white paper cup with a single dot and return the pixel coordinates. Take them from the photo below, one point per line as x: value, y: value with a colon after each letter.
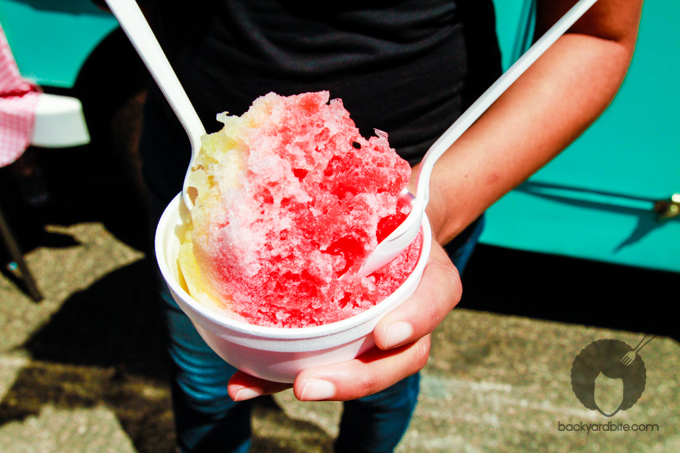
x: 271, y: 353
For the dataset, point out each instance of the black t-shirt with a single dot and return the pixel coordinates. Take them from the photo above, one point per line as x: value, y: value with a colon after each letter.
x: 409, y: 68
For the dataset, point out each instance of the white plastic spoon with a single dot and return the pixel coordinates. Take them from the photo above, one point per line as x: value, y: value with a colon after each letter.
x: 405, y: 233
x: 141, y: 36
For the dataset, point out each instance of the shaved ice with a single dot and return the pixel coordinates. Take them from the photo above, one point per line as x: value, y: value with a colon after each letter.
x: 292, y: 197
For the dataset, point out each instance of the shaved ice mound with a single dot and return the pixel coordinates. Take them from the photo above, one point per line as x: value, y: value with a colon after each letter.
x: 291, y: 197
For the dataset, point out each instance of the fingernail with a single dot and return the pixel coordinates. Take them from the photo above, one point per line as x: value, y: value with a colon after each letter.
x: 246, y: 393
x: 317, y: 389
x: 397, y: 333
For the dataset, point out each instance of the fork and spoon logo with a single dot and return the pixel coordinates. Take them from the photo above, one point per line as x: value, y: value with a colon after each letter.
x: 609, y: 375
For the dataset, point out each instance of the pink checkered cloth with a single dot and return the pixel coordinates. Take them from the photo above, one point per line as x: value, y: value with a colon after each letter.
x: 18, y: 100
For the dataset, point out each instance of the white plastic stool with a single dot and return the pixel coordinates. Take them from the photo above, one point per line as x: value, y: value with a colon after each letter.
x: 59, y: 122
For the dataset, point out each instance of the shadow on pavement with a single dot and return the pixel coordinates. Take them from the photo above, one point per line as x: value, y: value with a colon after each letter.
x: 571, y: 290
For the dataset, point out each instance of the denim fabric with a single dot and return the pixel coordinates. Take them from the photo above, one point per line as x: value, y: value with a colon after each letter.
x: 208, y: 420
x: 461, y: 248
x: 376, y: 423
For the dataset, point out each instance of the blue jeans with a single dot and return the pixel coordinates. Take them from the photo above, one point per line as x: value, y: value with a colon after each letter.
x: 208, y: 420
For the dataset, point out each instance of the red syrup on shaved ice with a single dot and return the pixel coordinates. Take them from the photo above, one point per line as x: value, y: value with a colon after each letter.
x: 291, y: 197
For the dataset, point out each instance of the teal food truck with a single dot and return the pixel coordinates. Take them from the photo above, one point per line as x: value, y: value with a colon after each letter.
x: 613, y: 196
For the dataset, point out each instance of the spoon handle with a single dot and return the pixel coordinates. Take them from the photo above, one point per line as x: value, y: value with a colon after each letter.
x: 492, y: 93
x: 137, y: 29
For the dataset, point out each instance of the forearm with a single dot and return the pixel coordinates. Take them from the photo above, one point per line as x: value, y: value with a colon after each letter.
x: 538, y: 116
